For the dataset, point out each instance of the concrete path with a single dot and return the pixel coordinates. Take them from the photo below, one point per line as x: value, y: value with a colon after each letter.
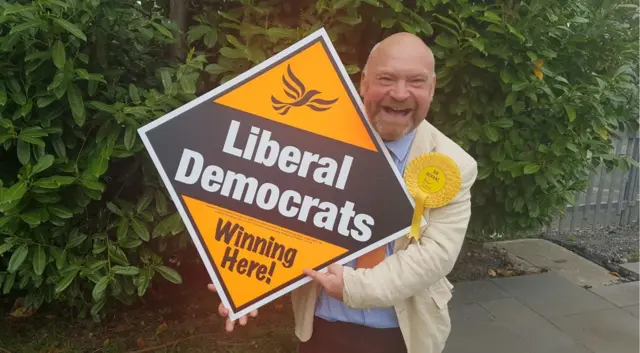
x: 543, y: 313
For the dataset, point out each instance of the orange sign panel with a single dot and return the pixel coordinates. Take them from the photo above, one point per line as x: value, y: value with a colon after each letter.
x: 277, y: 171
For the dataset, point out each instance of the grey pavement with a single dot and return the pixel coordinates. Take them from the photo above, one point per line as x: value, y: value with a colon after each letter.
x: 543, y: 313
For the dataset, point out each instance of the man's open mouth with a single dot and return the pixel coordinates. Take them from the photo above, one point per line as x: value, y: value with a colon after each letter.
x: 396, y: 111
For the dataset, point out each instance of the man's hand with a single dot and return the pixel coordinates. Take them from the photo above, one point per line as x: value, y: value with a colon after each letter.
x: 332, y: 281
x: 225, y: 313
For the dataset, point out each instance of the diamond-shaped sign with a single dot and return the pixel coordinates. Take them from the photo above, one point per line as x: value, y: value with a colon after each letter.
x: 276, y: 171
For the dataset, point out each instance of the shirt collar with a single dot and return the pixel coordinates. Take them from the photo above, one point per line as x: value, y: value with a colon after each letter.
x: 399, y: 148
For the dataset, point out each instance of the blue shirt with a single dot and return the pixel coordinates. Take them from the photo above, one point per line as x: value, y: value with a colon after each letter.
x: 332, y: 309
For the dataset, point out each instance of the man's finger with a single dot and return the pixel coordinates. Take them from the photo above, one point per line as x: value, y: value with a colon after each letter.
x: 229, y: 325
x: 224, y: 312
x: 211, y: 287
x: 318, y: 276
x: 253, y: 313
x: 334, y: 268
x: 243, y: 320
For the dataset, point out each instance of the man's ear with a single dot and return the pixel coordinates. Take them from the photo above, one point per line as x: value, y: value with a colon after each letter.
x: 433, y: 87
x: 363, y: 84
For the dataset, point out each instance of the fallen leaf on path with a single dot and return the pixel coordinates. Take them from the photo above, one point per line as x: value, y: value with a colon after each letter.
x: 491, y: 273
x: 141, y: 343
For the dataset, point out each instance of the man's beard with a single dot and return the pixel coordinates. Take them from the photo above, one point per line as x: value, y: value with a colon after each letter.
x: 379, y: 127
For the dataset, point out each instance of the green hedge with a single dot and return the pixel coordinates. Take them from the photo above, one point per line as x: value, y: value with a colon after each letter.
x: 533, y: 90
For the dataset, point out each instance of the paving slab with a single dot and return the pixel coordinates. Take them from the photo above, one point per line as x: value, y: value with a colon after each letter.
x: 534, y: 331
x: 477, y: 291
x: 551, y: 295
x: 632, y: 266
x: 633, y: 309
x: 623, y: 294
x: 603, y: 331
x: 505, y: 326
x: 543, y: 253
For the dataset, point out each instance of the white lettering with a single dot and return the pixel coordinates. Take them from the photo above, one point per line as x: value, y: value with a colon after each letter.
x: 231, y: 140
x: 185, y: 160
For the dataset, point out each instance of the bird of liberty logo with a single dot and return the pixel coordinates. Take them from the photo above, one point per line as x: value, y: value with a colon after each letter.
x: 296, y: 90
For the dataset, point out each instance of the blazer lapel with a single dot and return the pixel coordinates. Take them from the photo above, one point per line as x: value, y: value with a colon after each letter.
x: 422, y: 143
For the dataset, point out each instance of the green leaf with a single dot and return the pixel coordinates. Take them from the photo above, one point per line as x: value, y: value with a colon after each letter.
x: 216, y: 69
x: 140, y: 228
x: 491, y: 17
x: 161, y: 202
x: 24, y: 152
x: 15, y: 192
x: 43, y: 164
x: 58, y: 54
x: 60, y: 255
x: 92, y: 184
x: 100, y: 288
x: 196, y: 32
x: 498, y: 154
x: 101, y: 106
x: 571, y: 112
x: 6, y: 123
x: 66, y: 279
x: 125, y: 270
x: 169, y: 274
x: 491, y: 132
x: 447, y: 40
x: 210, y: 39
x: 482, y: 63
x: 60, y: 211
x: 511, y: 98
x: 483, y: 173
x: 59, y: 147
x: 39, y: 260
x: 518, y: 86
x: 77, y: 105
x: 17, y: 258
x: 123, y: 228
x: 388, y: 22
x: 32, y: 217
x: 166, y: 80
x: 531, y: 168
x: 503, y: 123
x: 143, y: 284
x: 71, y: 28
x: 118, y: 256
x: 507, y: 76
x: 113, y: 208
x: 133, y: 93
x: 25, y: 26
x: 162, y: 29
x: 129, y: 137
x: 279, y: 33
x: 8, y: 245
x: 130, y: 243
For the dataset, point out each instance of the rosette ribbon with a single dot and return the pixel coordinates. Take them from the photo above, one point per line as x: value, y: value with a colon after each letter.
x: 433, y: 179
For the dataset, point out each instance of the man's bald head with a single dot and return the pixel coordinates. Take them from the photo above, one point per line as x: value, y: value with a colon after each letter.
x: 397, y: 42
x: 397, y: 84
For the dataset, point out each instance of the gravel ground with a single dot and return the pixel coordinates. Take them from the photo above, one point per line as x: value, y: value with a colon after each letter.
x: 608, y: 246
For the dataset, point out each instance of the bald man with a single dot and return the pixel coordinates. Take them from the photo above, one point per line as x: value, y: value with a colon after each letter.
x: 399, y: 303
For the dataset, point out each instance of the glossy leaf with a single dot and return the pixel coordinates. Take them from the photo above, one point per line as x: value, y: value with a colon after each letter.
x: 169, y: 274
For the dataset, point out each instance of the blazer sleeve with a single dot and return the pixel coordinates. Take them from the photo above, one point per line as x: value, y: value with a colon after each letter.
x: 410, y: 271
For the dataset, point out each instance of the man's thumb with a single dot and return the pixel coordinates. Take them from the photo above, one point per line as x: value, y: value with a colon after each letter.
x: 334, y: 269
x: 318, y: 276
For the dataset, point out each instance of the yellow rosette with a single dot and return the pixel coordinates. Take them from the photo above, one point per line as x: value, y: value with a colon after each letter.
x: 433, y: 179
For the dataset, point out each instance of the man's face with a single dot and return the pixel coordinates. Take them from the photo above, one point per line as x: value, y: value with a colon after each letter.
x: 397, y: 90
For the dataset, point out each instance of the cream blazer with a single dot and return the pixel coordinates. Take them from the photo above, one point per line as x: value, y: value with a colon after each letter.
x: 412, y: 280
